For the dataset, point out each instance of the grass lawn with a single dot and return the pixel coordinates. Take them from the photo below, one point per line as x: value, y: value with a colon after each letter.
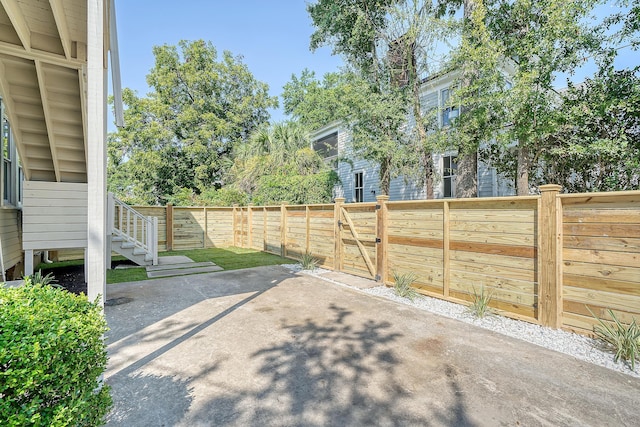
x: 230, y: 258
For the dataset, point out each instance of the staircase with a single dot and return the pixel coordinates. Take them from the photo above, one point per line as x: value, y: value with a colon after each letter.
x: 133, y: 235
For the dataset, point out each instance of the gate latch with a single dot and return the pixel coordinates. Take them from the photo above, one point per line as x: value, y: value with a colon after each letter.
x: 378, y: 240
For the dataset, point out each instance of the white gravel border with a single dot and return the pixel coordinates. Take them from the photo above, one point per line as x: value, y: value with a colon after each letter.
x: 575, y: 345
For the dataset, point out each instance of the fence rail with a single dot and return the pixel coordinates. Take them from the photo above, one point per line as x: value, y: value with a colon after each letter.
x: 546, y: 259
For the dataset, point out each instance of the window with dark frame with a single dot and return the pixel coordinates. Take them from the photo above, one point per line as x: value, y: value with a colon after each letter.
x: 449, y: 113
x: 327, y: 146
x: 449, y: 175
x: 358, y: 187
x: 6, y: 161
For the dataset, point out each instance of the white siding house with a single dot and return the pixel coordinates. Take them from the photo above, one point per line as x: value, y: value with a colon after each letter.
x: 53, y: 78
x: 359, y: 178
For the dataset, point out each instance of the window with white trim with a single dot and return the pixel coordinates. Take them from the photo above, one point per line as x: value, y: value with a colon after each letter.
x: 358, y: 187
x: 449, y: 168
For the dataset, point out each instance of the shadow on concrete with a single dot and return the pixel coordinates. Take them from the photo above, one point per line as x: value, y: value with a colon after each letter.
x: 156, y: 300
x: 333, y: 372
x: 187, y: 331
x: 155, y: 321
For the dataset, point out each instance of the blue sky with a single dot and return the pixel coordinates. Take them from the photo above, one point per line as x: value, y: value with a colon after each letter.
x: 272, y: 36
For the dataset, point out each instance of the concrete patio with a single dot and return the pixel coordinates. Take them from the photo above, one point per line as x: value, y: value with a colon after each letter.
x: 264, y: 346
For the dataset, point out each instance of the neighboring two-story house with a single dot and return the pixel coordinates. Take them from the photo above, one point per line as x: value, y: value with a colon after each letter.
x: 359, y: 177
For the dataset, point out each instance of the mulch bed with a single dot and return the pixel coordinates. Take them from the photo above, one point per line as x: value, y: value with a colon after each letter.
x: 71, y: 278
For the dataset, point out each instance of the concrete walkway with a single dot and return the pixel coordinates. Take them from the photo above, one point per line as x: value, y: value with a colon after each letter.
x: 264, y: 347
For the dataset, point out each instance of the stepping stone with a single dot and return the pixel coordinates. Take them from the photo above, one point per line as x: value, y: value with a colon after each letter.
x: 183, y: 271
x: 179, y: 265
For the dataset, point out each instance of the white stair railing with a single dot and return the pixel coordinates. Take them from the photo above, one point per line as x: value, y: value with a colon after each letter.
x: 133, y: 227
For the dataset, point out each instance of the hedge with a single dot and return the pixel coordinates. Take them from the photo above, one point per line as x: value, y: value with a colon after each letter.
x: 52, y: 355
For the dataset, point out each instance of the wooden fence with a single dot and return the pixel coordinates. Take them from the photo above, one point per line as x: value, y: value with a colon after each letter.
x: 546, y: 259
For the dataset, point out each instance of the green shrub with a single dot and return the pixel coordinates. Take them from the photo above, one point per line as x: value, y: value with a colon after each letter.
x: 623, y: 340
x: 295, y: 189
x: 479, y: 306
x: 226, y: 196
x: 51, y: 357
x: 403, y: 286
x: 308, y: 261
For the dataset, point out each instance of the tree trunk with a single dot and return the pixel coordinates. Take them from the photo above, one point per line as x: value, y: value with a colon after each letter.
x: 522, y: 177
x: 385, y: 176
x: 427, y: 163
x: 467, y: 176
x: 467, y: 173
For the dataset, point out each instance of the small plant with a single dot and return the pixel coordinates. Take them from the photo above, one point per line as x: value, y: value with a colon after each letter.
x: 308, y: 261
x: 403, y: 286
x: 623, y: 340
x: 479, y: 306
x: 48, y: 279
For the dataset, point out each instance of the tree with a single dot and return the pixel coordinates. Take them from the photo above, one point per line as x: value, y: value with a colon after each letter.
x: 352, y: 28
x: 315, y: 103
x: 278, y: 164
x: 413, y: 36
x: 375, y: 37
x: 542, y: 38
x: 595, y: 145
x: 181, y: 134
x: 478, y: 93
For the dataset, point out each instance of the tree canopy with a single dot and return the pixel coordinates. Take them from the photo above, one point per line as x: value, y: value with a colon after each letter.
x: 179, y: 136
x: 509, y: 56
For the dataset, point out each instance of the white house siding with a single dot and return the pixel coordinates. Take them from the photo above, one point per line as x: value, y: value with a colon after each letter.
x: 490, y: 184
x: 54, y: 215
x: 10, y: 237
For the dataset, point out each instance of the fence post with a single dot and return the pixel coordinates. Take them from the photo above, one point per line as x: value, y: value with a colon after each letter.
x: 308, y: 231
x: 446, y: 261
x: 205, y: 232
x: 549, y: 246
x: 169, y: 222
x: 283, y: 229
x: 381, y: 248
x: 154, y: 221
x: 337, y: 228
x: 249, y: 225
x: 233, y: 225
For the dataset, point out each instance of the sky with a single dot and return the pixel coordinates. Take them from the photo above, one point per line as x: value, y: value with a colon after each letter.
x: 272, y: 36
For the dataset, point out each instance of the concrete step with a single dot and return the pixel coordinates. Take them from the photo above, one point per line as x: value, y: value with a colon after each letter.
x: 129, y: 251
x: 139, y: 251
x: 182, y: 271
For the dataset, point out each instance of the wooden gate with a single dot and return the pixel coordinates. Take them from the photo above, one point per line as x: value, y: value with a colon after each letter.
x: 357, y: 243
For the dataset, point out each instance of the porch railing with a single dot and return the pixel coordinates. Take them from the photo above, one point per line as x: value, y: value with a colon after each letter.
x: 133, y: 227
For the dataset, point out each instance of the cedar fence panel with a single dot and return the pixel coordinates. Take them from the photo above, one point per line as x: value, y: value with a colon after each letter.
x: 600, y: 258
x: 188, y: 227
x: 544, y: 259
x: 320, y: 237
x: 219, y: 227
